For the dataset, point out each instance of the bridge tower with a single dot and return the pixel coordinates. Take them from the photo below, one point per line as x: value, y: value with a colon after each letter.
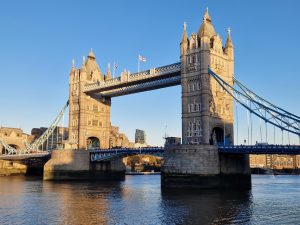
x: 207, y: 111
x: 89, y: 116
x: 207, y: 117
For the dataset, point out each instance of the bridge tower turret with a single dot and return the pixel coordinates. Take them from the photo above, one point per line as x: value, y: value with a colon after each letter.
x: 89, y: 117
x: 207, y: 111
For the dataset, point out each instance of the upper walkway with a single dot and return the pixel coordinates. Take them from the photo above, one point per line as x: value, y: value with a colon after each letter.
x: 147, y: 80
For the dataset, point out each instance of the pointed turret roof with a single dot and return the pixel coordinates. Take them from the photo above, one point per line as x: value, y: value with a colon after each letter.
x: 91, y: 54
x: 91, y: 64
x: 228, y: 41
x: 185, y: 35
x: 206, y: 28
x: 108, y: 74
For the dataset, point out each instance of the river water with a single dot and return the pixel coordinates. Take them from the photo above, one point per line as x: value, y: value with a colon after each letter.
x: 140, y: 200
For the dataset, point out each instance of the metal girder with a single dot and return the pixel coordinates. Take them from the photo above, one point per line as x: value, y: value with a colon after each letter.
x: 35, y: 145
x: 50, y: 130
x: 147, y: 86
x: 109, y: 154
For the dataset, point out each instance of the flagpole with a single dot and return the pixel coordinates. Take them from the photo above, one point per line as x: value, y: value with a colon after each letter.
x: 138, y: 63
x: 114, y: 70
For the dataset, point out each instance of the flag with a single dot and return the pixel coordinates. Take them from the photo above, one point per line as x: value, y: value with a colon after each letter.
x: 115, y: 65
x: 142, y: 58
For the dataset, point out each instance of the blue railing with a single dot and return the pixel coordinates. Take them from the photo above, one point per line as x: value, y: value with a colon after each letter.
x: 261, y: 149
x: 108, y: 154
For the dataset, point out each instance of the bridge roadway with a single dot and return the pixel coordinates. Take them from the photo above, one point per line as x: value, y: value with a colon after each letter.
x: 97, y: 155
x: 261, y: 149
x: 20, y: 157
x: 108, y: 154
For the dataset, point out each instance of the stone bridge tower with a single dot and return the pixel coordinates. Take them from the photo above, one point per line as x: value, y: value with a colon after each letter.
x: 207, y: 110
x: 207, y: 117
x: 89, y: 116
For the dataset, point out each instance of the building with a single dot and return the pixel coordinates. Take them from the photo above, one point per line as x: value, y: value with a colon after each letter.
x: 258, y: 161
x: 117, y: 139
x: 15, y: 137
x: 140, y: 136
x: 275, y: 161
x: 207, y: 110
x: 55, y: 141
x: 172, y: 141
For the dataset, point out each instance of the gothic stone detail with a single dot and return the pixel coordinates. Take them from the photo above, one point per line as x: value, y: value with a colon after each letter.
x: 207, y: 111
x: 89, y: 115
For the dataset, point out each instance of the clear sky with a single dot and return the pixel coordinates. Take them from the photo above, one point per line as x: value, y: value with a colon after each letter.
x: 39, y: 39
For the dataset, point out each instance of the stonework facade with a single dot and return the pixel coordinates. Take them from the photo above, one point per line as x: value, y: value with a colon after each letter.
x: 207, y: 110
x: 14, y: 137
x: 89, y: 115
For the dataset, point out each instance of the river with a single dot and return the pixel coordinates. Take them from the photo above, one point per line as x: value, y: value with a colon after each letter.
x: 140, y: 200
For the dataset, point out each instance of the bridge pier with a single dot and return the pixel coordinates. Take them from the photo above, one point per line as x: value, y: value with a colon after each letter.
x: 76, y: 165
x: 203, y: 167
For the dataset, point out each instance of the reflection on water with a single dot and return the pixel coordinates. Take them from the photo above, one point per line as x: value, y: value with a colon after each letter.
x: 139, y: 200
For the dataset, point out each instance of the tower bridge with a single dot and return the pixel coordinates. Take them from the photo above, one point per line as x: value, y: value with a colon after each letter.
x: 207, y: 157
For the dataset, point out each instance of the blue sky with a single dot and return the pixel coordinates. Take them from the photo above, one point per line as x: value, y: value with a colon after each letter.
x: 39, y: 39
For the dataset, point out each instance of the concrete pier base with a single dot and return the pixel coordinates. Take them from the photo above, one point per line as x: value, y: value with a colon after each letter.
x: 76, y: 165
x: 202, y: 167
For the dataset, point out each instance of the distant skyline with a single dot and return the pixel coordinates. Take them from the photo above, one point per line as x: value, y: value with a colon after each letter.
x: 40, y: 39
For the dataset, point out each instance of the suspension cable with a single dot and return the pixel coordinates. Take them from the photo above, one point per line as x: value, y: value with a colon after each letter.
x: 274, y: 136
x: 266, y: 126
x: 237, y: 123
x: 260, y: 131
x: 248, y: 119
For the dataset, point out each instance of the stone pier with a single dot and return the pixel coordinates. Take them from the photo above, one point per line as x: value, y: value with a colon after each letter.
x: 76, y: 165
x: 202, y: 167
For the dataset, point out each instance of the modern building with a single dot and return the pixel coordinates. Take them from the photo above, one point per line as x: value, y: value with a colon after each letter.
x: 56, y: 139
x: 140, y: 136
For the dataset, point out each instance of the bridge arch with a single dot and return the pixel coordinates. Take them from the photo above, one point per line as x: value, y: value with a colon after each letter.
x: 217, y: 136
x: 92, y: 142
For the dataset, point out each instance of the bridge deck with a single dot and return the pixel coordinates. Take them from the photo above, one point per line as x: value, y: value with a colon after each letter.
x: 107, y: 154
x: 261, y: 149
x: 25, y: 156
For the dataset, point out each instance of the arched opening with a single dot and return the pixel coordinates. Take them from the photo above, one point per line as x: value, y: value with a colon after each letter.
x: 92, y: 142
x: 217, y: 136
